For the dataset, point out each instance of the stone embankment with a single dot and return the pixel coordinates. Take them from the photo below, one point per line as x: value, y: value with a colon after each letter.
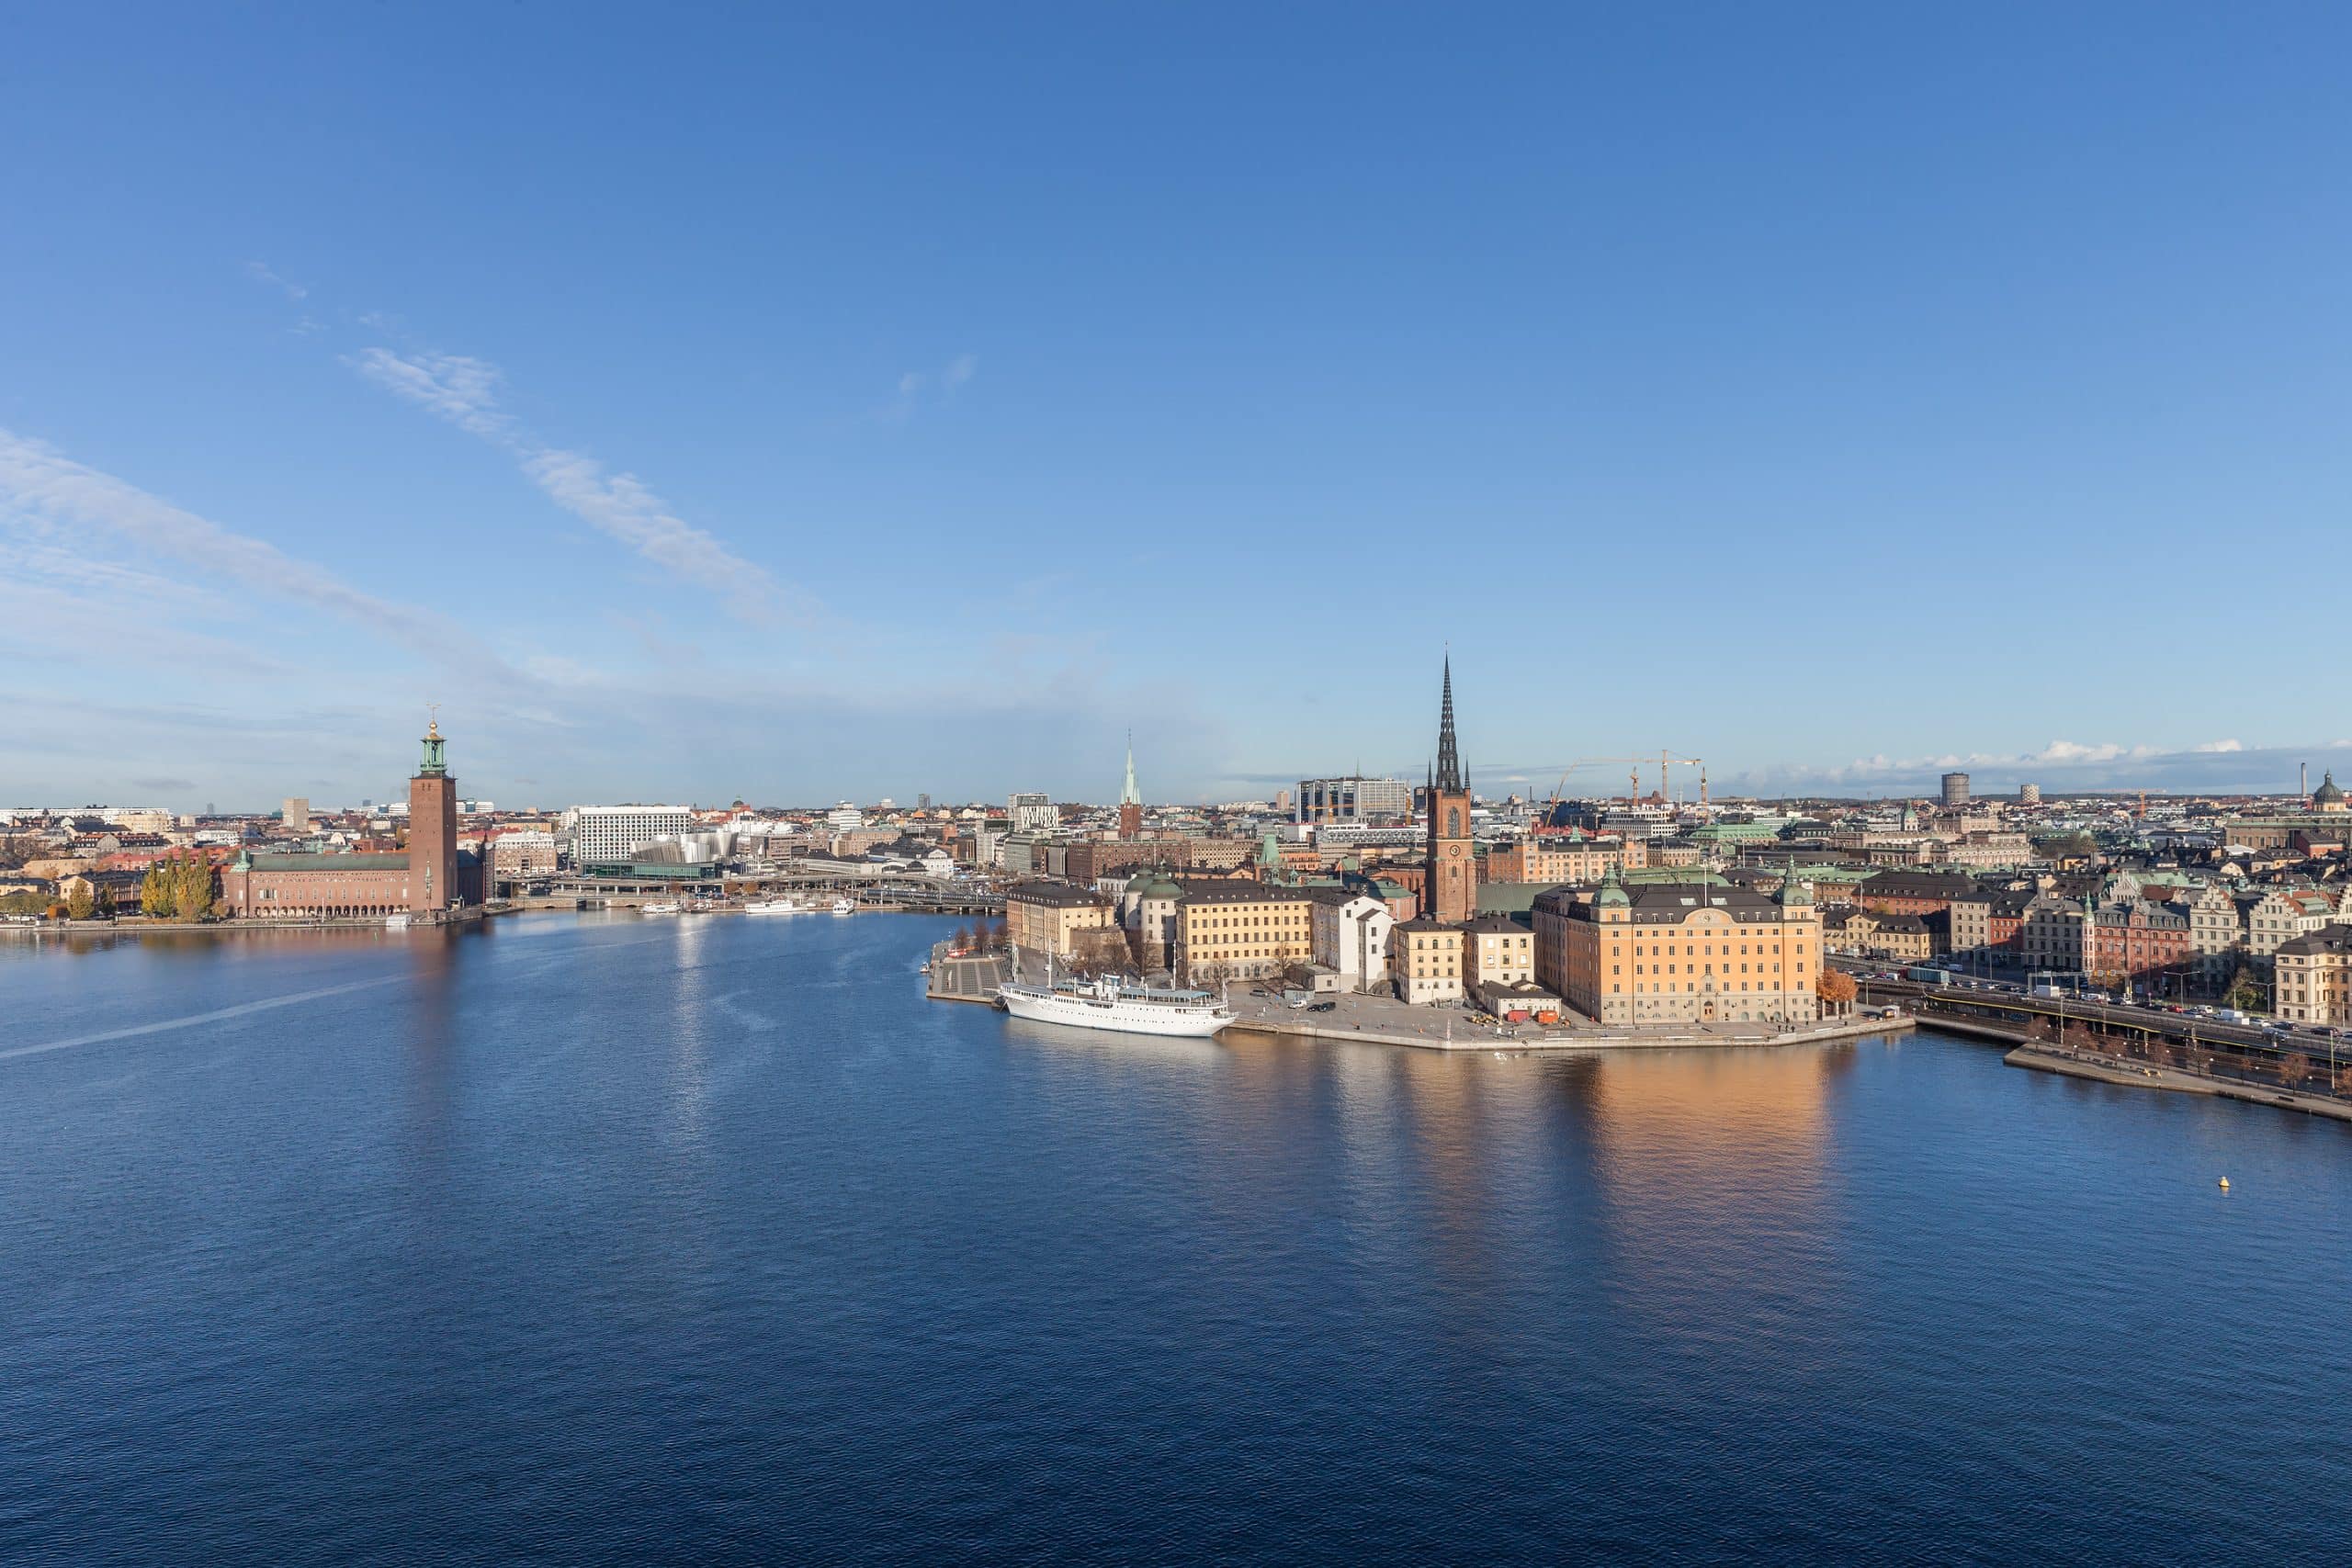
x: 2130, y: 1074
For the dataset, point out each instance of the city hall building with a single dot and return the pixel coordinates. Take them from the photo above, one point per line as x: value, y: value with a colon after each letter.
x: 429, y: 877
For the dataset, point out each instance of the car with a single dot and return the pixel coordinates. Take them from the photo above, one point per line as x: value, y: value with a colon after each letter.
x: 1323, y: 1007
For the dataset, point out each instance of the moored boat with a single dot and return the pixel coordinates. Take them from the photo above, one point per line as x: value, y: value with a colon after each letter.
x: 774, y: 907
x: 1112, y: 1004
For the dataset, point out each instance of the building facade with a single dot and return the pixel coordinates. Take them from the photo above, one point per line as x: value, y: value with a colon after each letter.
x: 1425, y: 959
x: 1241, y: 930
x: 611, y: 835
x: 1353, y: 799
x: 1048, y: 917
x: 2313, y: 979
x: 1681, y: 952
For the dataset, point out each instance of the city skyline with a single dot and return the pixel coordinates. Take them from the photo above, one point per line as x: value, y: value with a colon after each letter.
x: 834, y: 422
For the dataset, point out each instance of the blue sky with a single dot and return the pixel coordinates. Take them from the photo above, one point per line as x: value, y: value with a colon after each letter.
x: 874, y: 400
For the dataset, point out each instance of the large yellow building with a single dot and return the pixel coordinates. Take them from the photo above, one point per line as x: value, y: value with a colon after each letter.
x: 1681, y: 952
x: 1241, y: 930
x: 1045, y: 917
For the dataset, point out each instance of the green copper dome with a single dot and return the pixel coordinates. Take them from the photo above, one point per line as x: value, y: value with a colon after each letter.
x: 2329, y: 792
x: 1613, y: 893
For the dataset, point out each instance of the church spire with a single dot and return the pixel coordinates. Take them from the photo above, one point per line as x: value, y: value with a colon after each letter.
x: 1448, y: 757
x: 1128, y: 794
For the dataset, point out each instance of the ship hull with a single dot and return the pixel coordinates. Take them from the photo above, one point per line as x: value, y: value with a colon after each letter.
x: 1120, y: 1017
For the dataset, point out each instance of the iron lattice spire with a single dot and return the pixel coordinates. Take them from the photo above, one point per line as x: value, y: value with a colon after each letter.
x: 1449, y: 756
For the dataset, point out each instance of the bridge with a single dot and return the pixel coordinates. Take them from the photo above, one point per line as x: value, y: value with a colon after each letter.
x: 2214, y: 1047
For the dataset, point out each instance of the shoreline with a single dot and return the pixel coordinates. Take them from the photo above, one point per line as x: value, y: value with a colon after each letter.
x: 2067, y: 1064
x: 1853, y: 1029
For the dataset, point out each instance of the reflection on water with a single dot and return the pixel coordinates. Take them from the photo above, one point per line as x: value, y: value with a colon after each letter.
x: 625, y: 1238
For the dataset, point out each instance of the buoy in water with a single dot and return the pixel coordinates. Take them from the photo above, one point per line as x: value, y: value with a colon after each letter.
x: 2225, y: 1184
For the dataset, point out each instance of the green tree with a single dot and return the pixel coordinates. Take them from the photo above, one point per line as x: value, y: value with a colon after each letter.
x: 104, y: 898
x: 2245, y: 990
x: 80, y: 904
x: 155, y: 897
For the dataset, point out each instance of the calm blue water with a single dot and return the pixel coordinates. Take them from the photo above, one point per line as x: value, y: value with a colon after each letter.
x: 579, y: 1239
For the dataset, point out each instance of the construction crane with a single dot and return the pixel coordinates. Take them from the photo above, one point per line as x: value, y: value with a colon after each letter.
x: 1664, y: 794
x: 1633, y: 786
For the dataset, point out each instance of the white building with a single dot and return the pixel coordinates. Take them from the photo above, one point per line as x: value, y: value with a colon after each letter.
x: 1033, y: 813
x: 605, y: 834
x: 1351, y: 936
x: 844, y: 817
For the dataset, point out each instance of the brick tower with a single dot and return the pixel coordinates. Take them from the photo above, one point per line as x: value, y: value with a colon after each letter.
x: 1131, y: 799
x: 432, y: 828
x: 1452, y: 874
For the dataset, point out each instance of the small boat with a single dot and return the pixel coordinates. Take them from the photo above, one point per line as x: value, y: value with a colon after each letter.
x: 844, y: 907
x: 396, y: 922
x: 774, y: 907
x: 657, y: 908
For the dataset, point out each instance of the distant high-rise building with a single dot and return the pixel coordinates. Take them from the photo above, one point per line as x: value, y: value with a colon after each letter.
x: 1352, y: 799
x: 1955, y: 789
x: 1031, y: 813
x: 923, y: 803
x: 608, y: 835
x: 2028, y: 795
x: 296, y: 814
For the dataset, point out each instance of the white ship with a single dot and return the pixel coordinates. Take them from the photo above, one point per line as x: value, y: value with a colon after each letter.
x: 657, y: 909
x: 1111, y: 1003
x: 844, y: 907
x: 396, y: 922
x: 776, y: 906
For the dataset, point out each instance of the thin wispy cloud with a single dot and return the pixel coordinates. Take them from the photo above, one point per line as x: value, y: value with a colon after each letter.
x: 260, y: 273
x: 60, y: 503
x: 918, y: 387
x: 466, y: 393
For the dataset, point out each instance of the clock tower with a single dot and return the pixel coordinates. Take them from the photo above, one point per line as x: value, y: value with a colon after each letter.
x: 432, y: 828
x: 1452, y: 874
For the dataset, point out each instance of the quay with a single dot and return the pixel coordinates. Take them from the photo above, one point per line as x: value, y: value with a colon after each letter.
x: 2130, y: 1074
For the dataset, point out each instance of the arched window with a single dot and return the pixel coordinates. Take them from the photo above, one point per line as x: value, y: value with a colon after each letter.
x: 1453, y: 821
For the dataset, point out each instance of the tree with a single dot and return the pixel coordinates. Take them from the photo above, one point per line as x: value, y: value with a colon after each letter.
x: 81, y: 904
x: 154, y: 892
x: 194, y: 887
x: 2245, y: 990
x: 104, y: 898
x: 2293, y: 1068
x: 963, y: 943
x: 1836, y: 988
